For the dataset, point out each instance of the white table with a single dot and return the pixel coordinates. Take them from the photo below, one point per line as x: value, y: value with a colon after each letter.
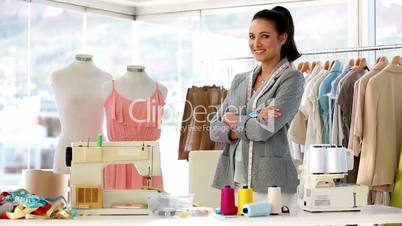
x: 368, y: 216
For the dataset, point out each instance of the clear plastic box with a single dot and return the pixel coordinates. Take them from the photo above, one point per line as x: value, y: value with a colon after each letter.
x: 167, y: 205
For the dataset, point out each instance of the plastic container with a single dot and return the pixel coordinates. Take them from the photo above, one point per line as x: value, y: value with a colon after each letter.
x: 168, y: 205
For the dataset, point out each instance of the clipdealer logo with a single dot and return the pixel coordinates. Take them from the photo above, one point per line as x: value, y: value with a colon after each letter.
x: 200, y: 116
x: 153, y: 112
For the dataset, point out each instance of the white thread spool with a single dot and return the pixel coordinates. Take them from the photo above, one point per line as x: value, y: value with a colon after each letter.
x: 275, y: 199
x: 318, y: 160
x: 336, y: 160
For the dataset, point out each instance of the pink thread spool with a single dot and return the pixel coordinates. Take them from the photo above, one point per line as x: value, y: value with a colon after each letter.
x: 228, y: 201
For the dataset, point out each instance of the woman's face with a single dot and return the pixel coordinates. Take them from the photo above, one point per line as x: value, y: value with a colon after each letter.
x: 264, y: 41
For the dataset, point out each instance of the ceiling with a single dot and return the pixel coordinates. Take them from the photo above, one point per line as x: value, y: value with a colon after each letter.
x: 149, y: 7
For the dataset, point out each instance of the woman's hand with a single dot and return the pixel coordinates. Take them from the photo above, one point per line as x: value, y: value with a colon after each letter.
x: 233, y: 135
x: 230, y: 118
x: 269, y: 112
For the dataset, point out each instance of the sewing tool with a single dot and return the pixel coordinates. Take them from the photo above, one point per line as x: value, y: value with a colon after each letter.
x: 87, y: 189
x: 320, y: 189
x: 228, y: 201
x: 245, y: 196
x: 194, y: 212
x: 257, y: 209
x: 99, y: 140
x: 275, y: 199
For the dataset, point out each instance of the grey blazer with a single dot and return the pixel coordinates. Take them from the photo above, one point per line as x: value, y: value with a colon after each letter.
x: 272, y: 163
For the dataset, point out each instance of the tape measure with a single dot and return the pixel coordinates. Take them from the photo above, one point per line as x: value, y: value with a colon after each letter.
x: 273, y: 76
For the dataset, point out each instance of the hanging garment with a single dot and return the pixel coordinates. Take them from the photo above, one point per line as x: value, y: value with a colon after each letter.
x: 314, y: 123
x: 396, y: 197
x: 323, y: 95
x: 335, y: 136
x: 345, y: 101
x: 382, y: 128
x: 356, y: 127
x: 126, y: 177
x: 132, y: 120
x: 345, y: 104
x: 334, y: 84
x: 298, y: 126
x: 201, y: 105
x: 378, y: 198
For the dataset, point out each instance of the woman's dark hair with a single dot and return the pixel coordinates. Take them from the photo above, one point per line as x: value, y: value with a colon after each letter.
x: 284, y: 24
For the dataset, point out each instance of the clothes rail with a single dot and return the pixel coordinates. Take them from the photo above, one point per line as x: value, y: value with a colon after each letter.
x: 341, y: 50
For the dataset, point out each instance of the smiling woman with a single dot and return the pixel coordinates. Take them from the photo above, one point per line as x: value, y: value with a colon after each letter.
x: 257, y: 151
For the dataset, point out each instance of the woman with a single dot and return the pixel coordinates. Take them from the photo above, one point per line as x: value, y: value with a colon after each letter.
x: 243, y: 122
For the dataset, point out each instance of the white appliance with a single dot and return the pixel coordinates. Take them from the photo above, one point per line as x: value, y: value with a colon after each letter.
x: 321, y: 187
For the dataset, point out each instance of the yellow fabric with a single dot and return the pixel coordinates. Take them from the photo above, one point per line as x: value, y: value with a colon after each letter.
x: 396, y: 197
x: 19, y: 212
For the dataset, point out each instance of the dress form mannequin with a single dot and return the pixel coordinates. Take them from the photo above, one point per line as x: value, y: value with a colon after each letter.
x: 135, y: 84
x: 78, y: 92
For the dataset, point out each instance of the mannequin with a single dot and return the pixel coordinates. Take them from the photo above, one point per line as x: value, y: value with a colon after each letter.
x: 78, y: 92
x: 135, y: 85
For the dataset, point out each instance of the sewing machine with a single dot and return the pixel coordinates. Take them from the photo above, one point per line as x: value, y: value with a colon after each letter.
x: 89, y: 159
x: 321, y: 188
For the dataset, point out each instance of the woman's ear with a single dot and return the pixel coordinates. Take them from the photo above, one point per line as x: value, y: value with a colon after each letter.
x: 283, y: 38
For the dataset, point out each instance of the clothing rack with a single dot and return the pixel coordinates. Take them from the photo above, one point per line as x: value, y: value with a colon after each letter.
x: 332, y: 51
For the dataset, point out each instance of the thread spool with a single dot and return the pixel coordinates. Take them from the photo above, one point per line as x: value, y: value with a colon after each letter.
x: 343, y: 156
x: 317, y: 157
x: 228, y: 201
x: 332, y: 161
x: 245, y: 196
x: 275, y: 199
x: 257, y: 209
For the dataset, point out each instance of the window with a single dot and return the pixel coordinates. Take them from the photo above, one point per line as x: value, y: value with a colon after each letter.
x: 388, y: 26
x: 318, y: 25
x: 16, y: 123
x: 321, y: 25
x: 110, y: 41
x: 225, y: 35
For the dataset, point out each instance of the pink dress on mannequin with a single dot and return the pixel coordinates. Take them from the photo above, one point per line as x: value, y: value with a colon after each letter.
x: 132, y: 120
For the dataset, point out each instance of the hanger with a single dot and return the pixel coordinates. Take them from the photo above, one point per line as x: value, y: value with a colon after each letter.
x: 351, y: 62
x: 313, y: 65
x: 299, y: 66
x: 306, y: 67
x: 332, y: 64
x: 362, y: 64
x: 381, y: 59
x: 357, y: 62
x: 327, y: 64
x: 397, y: 60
